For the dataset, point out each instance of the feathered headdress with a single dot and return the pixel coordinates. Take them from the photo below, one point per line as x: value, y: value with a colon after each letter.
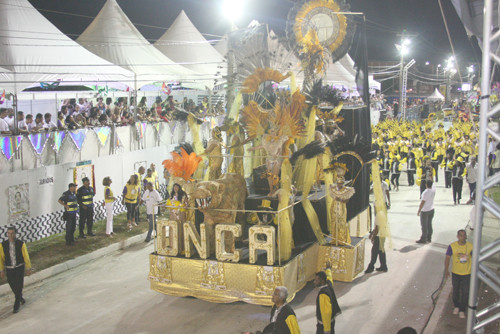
x: 182, y: 165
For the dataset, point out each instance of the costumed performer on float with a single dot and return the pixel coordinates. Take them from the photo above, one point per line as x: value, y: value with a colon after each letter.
x: 338, y: 211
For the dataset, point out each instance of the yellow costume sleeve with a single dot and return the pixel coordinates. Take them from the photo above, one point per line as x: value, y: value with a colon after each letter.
x: 329, y: 275
x: 465, y: 172
x: 292, y: 324
x: 325, y: 306
x: 2, y: 258
x: 26, y: 257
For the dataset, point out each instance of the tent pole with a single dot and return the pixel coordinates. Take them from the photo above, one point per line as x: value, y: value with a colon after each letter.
x: 135, y: 97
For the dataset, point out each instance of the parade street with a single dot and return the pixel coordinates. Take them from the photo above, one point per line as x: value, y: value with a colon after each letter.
x: 112, y: 294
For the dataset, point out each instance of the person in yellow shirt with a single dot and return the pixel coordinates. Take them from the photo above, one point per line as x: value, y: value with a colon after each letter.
x: 154, y: 173
x: 459, y: 252
x: 327, y: 307
x: 14, y: 260
x: 283, y: 319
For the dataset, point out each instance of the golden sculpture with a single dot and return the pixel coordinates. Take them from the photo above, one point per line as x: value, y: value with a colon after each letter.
x: 214, y: 152
x: 338, y: 211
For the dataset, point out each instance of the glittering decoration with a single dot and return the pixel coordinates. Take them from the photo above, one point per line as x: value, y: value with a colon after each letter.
x: 213, y: 276
x: 157, y: 127
x: 268, y: 278
x: 58, y: 140
x: 102, y: 134
x: 141, y: 129
x: 160, y: 269
x: 78, y: 137
x: 10, y: 145
x: 38, y: 141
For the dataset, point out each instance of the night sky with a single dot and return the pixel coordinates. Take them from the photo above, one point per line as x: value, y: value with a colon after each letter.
x: 386, y: 18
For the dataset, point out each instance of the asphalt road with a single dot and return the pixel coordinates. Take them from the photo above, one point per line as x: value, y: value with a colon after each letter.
x: 112, y: 295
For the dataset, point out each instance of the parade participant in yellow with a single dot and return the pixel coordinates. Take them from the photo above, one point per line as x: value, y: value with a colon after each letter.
x: 154, y: 174
x: 340, y: 195
x: 131, y: 193
x: 178, y: 200
x: 214, y: 153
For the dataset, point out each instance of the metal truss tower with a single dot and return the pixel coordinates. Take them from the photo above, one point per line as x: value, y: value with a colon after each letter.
x: 477, y: 319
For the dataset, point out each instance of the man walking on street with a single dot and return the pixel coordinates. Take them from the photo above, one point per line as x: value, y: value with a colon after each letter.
x: 70, y: 203
x: 327, y: 307
x: 472, y: 169
x: 460, y: 253
x: 14, y: 259
x: 151, y: 197
x: 85, y: 197
x: 426, y: 212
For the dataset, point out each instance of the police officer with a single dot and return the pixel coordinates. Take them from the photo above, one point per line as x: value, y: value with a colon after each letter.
x: 85, y: 196
x: 70, y: 203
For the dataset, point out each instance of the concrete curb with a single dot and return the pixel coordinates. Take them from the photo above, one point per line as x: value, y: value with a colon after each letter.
x: 70, y: 264
x: 438, y: 312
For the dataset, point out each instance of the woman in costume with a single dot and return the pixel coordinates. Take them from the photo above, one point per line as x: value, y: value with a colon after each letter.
x: 273, y: 145
x: 131, y: 193
x: 178, y: 199
x: 341, y: 195
x: 214, y: 152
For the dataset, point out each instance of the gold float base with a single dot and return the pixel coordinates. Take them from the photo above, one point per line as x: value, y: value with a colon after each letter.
x: 359, y: 226
x: 227, y: 282
x: 347, y: 262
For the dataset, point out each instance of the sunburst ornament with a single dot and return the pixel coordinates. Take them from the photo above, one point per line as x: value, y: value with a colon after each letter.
x: 327, y: 19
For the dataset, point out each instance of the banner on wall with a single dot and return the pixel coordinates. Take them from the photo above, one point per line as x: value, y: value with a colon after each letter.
x: 78, y: 137
x: 141, y: 129
x: 19, y: 207
x: 80, y: 172
x: 38, y: 141
x: 102, y: 134
x: 58, y: 140
x: 10, y: 145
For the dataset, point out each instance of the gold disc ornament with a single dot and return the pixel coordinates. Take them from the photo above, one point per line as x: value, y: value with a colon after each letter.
x: 320, y: 24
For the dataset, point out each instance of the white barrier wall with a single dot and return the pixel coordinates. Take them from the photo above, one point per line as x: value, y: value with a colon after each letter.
x: 45, y: 214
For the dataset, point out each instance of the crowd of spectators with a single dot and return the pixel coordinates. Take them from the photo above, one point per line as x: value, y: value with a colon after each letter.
x: 75, y: 114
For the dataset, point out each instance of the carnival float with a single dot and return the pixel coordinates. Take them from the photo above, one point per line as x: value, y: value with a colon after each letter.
x: 282, y: 186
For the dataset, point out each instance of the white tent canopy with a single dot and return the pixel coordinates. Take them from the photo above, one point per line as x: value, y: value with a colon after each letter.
x: 34, y: 50
x: 184, y: 44
x: 436, y: 95
x: 113, y: 36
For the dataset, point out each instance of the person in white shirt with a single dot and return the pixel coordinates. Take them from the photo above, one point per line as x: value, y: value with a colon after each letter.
x: 472, y: 170
x: 426, y: 212
x: 4, y: 127
x: 151, y: 197
x: 48, y: 124
x: 21, y: 123
x: 10, y: 119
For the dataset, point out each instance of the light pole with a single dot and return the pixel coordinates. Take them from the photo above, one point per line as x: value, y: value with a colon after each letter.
x: 232, y: 10
x: 403, y: 50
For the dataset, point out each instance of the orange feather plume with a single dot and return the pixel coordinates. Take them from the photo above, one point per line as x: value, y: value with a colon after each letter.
x: 182, y: 165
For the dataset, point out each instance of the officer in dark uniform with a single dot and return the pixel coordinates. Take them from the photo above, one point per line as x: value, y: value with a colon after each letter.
x: 85, y: 196
x: 14, y: 259
x: 327, y: 307
x: 70, y: 203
